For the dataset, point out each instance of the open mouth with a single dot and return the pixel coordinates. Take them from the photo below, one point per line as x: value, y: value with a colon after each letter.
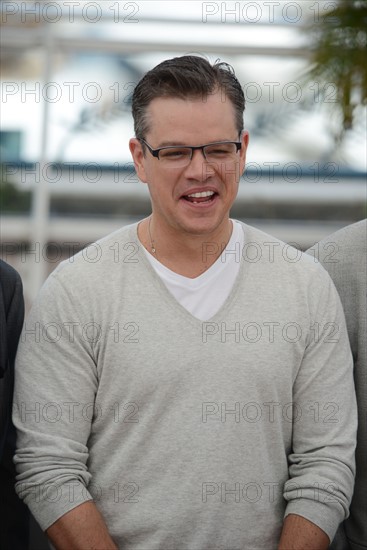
x: 202, y: 197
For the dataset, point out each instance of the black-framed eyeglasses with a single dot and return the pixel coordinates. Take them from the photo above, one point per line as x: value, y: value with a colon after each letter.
x: 177, y: 155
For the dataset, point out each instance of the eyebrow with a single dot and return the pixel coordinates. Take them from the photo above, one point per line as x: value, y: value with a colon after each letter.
x: 181, y: 144
x: 173, y: 143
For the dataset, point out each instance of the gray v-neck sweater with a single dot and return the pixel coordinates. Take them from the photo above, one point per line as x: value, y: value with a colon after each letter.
x: 187, y: 434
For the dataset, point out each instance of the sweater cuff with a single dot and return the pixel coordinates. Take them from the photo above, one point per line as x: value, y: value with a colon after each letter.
x: 49, y: 502
x: 327, y: 517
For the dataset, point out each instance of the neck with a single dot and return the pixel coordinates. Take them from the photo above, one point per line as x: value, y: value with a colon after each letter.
x: 189, y: 255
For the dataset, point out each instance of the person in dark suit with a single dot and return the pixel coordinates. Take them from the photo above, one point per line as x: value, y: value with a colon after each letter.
x: 14, y: 518
x: 11, y: 322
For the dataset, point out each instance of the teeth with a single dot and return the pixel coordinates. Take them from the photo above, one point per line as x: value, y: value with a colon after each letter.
x: 202, y: 194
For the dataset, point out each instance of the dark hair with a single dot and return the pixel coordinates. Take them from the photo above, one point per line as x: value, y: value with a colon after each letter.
x: 185, y: 77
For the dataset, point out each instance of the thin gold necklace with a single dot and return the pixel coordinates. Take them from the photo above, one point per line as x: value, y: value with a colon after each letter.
x: 154, y: 251
x: 152, y: 245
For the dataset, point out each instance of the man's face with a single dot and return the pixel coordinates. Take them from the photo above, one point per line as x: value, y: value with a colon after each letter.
x: 174, y: 121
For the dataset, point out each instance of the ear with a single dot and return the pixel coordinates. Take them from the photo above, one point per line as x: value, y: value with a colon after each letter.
x: 244, y: 140
x: 136, y: 150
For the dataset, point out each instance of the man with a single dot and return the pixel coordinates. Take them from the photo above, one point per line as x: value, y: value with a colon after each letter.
x: 176, y: 394
x: 14, y: 518
x: 11, y: 322
x: 344, y: 255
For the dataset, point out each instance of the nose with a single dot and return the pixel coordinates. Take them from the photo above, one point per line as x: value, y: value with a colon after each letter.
x: 198, y: 168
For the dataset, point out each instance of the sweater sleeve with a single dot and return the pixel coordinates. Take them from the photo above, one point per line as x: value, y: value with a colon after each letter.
x: 55, y: 388
x: 321, y: 462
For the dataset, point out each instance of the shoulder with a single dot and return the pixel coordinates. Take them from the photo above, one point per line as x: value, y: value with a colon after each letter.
x: 279, y: 256
x: 343, y: 254
x: 94, y: 273
x: 349, y: 233
x: 10, y: 281
x: 343, y: 245
x: 9, y: 276
x: 290, y: 282
x: 286, y: 276
x: 103, y: 256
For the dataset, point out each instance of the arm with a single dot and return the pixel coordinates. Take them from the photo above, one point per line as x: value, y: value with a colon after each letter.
x: 321, y: 458
x: 83, y: 528
x: 55, y: 377
x: 300, y: 534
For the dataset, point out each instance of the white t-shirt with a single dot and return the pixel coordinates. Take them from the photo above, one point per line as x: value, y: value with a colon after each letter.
x: 205, y: 295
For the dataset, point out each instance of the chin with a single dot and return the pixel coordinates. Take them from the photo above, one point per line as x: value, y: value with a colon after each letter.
x: 201, y: 226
